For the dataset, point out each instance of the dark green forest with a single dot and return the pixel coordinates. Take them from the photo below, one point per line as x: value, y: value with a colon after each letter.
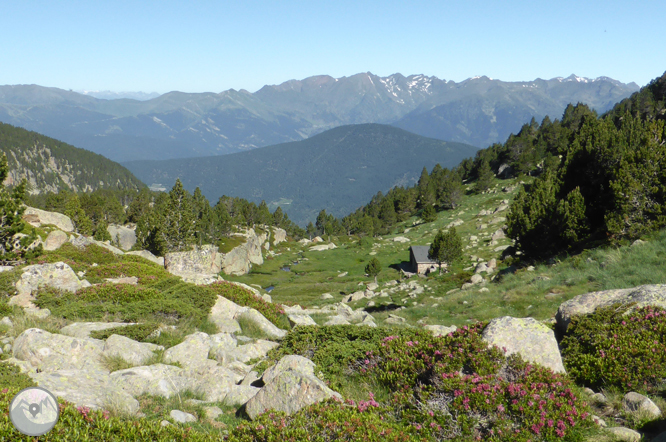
x: 51, y: 164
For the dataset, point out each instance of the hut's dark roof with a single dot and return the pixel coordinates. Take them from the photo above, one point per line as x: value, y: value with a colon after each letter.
x: 421, y: 254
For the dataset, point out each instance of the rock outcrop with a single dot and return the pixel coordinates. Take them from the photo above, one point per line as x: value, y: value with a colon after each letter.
x: 202, y: 260
x: 57, y: 275
x: 240, y: 259
x: 123, y: 236
x: 55, y: 240
x: 147, y: 255
x: 38, y: 217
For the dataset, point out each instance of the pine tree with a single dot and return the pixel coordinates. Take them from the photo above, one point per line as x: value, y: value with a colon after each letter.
x: 102, y: 232
x: 429, y: 214
x: 178, y: 226
x: 485, y: 177
x: 446, y: 247
x: 11, y: 211
x: 373, y: 268
x: 75, y: 212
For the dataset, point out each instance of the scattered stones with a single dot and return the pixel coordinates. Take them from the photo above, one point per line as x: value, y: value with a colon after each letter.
x: 476, y: 279
x: 633, y: 402
x: 529, y: 338
x: 326, y: 296
x: 342, y: 274
x: 337, y: 320
x: 497, y: 235
x: 394, y: 319
x: 400, y: 239
x: 322, y: 247
x: 181, y: 417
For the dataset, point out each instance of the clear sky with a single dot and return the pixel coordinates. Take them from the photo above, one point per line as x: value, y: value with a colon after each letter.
x: 197, y: 46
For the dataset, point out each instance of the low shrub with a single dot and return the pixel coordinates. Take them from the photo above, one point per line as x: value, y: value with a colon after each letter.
x: 246, y: 298
x: 146, y: 271
x: 328, y: 421
x: 77, y: 259
x: 617, y: 347
x: 10, y: 374
x: 128, y: 303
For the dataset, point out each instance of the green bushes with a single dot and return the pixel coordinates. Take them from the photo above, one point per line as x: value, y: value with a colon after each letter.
x: 328, y: 421
x: 146, y: 271
x: 77, y: 259
x: 10, y: 374
x: 128, y: 303
x: 609, y: 348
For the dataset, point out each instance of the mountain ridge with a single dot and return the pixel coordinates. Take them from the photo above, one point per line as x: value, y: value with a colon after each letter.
x: 179, y: 124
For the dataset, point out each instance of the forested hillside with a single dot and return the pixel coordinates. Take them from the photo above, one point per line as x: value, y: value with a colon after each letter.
x: 339, y: 169
x: 50, y: 165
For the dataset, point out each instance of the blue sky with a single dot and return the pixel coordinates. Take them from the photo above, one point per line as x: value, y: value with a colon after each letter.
x: 197, y: 46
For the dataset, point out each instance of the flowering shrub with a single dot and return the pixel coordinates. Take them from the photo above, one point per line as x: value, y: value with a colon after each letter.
x: 77, y: 259
x: 455, y: 386
x: 329, y: 421
x: 611, y: 348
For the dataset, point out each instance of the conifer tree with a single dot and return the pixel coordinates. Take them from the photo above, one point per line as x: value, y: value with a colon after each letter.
x: 177, y: 229
x: 485, y: 176
x: 75, y: 212
x: 102, y: 232
x: 429, y: 214
x: 373, y: 268
x: 11, y: 211
x: 446, y: 247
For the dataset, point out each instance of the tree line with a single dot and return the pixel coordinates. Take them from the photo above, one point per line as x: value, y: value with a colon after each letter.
x: 165, y: 221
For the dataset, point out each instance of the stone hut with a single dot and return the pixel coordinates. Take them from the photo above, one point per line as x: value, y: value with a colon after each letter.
x: 421, y: 264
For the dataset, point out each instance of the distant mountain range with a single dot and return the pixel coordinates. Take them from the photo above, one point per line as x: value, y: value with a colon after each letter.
x: 50, y: 165
x: 477, y: 111
x: 338, y: 170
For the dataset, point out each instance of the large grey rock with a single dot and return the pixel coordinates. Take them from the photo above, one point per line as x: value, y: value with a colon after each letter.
x: 624, y: 434
x: 248, y: 352
x: 532, y: 340
x: 37, y: 218
x: 51, y: 352
x: 223, y: 314
x: 147, y: 255
x: 337, y: 320
x: 322, y: 247
x: 181, y: 417
x: 240, y: 394
x: 155, y: 380
x: 205, y: 259
x: 240, y: 259
x: 295, y: 319
x: 136, y: 353
x: 289, y: 392
x: 83, y: 329
x: 55, y: 240
x: 86, y: 388
x: 260, y: 321
x: 212, y: 381
x: 654, y: 295
x: 279, y: 235
x: 57, y: 275
x: 440, y: 330
x: 192, y: 352
x: 634, y: 402
x: 81, y: 242
x: 220, y: 344
x: 123, y: 236
x: 291, y: 362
